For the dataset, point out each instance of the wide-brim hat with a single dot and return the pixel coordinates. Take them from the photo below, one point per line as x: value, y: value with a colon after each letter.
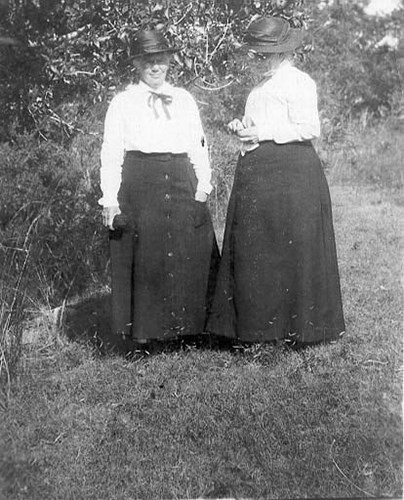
x: 150, y: 42
x: 271, y: 35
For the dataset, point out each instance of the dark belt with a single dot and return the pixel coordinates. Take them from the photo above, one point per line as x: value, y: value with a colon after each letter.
x: 156, y: 156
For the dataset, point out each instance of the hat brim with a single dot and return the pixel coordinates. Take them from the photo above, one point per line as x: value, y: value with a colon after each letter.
x: 294, y: 41
x: 170, y: 50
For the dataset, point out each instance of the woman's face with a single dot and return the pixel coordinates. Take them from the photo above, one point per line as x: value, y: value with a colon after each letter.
x: 264, y: 63
x: 153, y: 69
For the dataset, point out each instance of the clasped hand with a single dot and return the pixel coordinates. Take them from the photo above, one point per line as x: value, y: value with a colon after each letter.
x: 245, y: 130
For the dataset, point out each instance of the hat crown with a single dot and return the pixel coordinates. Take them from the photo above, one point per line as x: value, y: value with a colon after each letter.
x: 271, y: 34
x: 268, y: 29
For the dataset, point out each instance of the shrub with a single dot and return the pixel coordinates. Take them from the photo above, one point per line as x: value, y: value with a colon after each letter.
x: 58, y: 187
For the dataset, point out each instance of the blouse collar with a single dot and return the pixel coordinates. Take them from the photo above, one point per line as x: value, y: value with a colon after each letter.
x: 166, y: 88
x: 284, y: 67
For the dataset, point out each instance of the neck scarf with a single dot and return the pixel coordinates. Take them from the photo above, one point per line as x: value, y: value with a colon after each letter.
x: 166, y: 100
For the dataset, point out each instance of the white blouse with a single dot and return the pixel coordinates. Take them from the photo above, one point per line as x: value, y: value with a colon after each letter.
x: 284, y: 107
x: 137, y: 122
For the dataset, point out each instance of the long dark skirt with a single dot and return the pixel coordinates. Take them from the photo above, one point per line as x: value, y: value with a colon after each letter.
x: 163, y: 263
x: 278, y: 277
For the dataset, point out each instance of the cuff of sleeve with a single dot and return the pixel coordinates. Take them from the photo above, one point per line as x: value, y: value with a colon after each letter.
x: 204, y: 186
x: 108, y: 202
x: 265, y: 135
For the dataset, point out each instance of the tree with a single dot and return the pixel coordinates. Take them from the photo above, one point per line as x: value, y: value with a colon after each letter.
x: 355, y: 74
x: 59, y: 58
x: 78, y: 50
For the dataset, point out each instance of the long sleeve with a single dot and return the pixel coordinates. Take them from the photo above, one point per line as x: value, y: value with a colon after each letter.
x: 304, y: 122
x: 198, y: 152
x: 112, y: 155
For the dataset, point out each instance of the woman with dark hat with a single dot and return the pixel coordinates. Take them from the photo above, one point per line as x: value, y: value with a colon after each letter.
x: 278, y: 278
x: 155, y: 179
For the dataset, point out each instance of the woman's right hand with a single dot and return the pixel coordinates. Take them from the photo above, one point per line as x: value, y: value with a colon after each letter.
x: 108, y: 215
x: 235, y: 126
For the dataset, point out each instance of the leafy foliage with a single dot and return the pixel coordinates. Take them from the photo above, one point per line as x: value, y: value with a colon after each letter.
x: 354, y: 72
x: 76, y: 48
x: 58, y: 191
x: 76, y: 51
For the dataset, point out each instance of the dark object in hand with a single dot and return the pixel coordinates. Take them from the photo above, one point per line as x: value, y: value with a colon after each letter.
x: 200, y: 213
x: 120, y: 225
x: 121, y: 221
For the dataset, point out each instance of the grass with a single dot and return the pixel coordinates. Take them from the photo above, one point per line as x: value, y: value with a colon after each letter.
x: 14, y: 262
x: 218, y: 421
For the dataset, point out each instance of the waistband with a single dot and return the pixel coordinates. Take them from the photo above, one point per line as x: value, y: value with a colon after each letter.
x: 155, y: 156
x: 278, y: 146
x: 291, y: 143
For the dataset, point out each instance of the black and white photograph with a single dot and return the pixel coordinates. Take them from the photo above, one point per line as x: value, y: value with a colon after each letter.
x: 201, y: 267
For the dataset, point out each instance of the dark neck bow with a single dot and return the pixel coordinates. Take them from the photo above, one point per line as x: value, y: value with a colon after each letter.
x: 165, y: 99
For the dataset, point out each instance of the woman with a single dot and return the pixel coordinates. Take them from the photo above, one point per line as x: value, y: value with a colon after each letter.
x: 278, y: 277
x: 155, y: 179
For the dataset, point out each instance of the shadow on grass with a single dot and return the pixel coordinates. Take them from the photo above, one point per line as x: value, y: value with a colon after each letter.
x: 89, y: 321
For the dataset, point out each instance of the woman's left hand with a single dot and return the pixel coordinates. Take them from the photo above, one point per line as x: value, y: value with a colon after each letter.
x: 249, y: 134
x: 201, y: 196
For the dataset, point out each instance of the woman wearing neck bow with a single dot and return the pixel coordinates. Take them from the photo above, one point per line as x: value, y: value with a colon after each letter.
x: 278, y: 278
x: 155, y: 180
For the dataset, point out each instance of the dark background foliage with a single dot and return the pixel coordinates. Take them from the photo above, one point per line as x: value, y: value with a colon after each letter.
x: 76, y: 52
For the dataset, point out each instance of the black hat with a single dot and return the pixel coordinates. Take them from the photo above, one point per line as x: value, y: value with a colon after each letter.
x: 271, y: 35
x: 150, y: 42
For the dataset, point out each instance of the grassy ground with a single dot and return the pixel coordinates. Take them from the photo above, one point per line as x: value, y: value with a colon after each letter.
x: 218, y: 421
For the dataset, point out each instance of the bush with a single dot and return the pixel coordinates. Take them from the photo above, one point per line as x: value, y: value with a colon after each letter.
x: 354, y: 74
x: 58, y: 188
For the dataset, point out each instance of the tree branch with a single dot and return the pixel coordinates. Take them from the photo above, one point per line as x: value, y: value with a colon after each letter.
x: 211, y: 88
